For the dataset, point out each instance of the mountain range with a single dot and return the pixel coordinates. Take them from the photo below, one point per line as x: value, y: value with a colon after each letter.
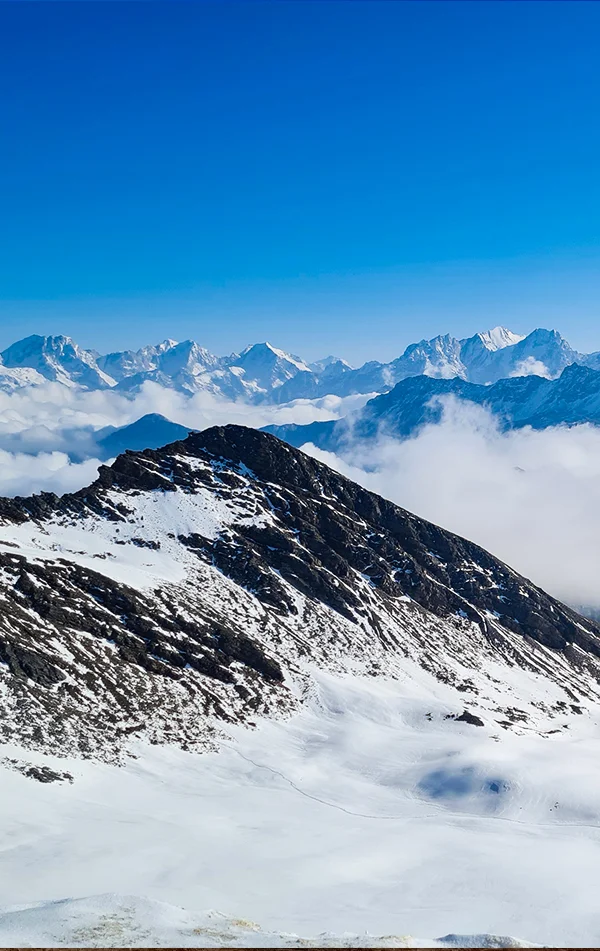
x: 573, y: 398
x: 262, y: 373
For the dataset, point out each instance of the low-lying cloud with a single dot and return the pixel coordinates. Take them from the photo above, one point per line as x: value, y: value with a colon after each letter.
x: 47, y: 433
x: 530, y: 497
x: 531, y: 367
x: 22, y: 474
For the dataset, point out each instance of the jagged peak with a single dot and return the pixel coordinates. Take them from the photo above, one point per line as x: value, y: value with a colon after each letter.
x: 579, y: 371
x: 40, y: 343
x: 443, y: 341
x: 499, y: 337
x: 544, y: 335
x: 167, y: 344
x: 317, y: 366
x: 267, y: 349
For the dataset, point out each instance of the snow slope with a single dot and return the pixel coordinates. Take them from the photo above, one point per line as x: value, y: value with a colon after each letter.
x: 360, y: 814
x: 129, y: 921
x: 234, y: 680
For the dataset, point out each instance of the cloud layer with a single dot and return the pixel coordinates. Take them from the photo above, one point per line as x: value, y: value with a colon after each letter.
x: 44, y: 428
x: 530, y: 497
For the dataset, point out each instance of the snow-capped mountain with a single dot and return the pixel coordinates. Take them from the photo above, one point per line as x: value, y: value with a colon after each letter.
x: 263, y: 373
x: 498, y: 338
x: 185, y: 366
x: 13, y: 378
x: 130, y: 362
x: 541, y: 353
x: 484, y: 358
x: 292, y: 672
x: 59, y: 359
x: 319, y: 365
x: 266, y: 367
x: 203, y: 574
x: 573, y: 398
x: 250, y: 375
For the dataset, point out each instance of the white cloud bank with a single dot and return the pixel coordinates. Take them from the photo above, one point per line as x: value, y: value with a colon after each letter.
x: 41, y: 426
x: 530, y: 497
x: 22, y: 474
x: 531, y: 367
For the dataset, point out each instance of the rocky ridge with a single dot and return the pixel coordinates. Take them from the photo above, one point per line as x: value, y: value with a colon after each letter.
x: 198, y: 584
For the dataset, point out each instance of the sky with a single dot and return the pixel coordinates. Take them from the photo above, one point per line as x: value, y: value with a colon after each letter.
x: 338, y: 177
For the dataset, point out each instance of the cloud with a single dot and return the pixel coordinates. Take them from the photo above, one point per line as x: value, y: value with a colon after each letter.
x: 530, y: 497
x: 50, y: 417
x: 531, y: 367
x: 47, y: 433
x: 22, y: 474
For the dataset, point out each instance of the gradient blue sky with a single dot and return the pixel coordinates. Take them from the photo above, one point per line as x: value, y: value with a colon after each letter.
x: 331, y: 176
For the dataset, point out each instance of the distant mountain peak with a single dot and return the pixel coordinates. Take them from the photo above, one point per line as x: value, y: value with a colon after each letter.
x: 530, y: 399
x: 267, y: 349
x: 319, y: 365
x: 498, y: 338
x: 264, y: 373
x: 57, y: 358
x: 543, y: 334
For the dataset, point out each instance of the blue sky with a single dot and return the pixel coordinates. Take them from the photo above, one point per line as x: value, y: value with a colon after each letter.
x: 332, y: 176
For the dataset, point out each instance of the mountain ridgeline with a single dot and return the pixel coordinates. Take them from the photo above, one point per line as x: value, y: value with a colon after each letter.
x: 573, y: 398
x: 263, y: 373
x: 198, y: 584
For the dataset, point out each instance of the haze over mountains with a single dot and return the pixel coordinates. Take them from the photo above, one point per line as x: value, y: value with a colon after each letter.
x: 263, y: 373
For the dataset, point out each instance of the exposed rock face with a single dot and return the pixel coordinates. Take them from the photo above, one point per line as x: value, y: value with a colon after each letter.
x: 194, y: 585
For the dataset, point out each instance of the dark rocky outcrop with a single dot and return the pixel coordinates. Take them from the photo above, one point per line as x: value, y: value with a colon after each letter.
x: 104, y: 660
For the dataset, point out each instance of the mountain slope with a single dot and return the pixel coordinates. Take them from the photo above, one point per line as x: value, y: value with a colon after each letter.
x: 384, y: 712
x: 191, y: 585
x: 125, y: 363
x: 138, y: 922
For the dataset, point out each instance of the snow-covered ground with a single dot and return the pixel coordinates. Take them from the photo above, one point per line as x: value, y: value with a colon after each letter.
x: 129, y: 921
x: 156, y: 518
x: 367, y: 813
